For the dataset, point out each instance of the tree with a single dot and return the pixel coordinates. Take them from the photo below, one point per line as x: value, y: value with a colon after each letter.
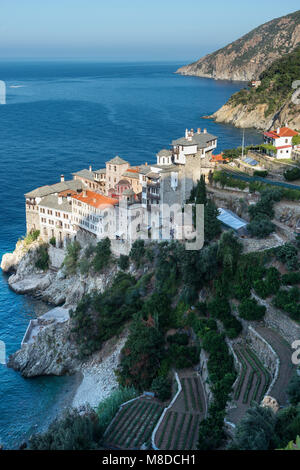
x: 261, y: 227
x: 296, y: 140
x: 250, y: 310
x: 212, y: 226
x: 162, y: 386
x: 103, y: 254
x: 137, y: 252
x: 123, y: 262
x: 292, y: 174
x: 201, y: 197
x: 141, y: 355
x: 293, y: 390
x: 71, y: 258
x: 256, y: 430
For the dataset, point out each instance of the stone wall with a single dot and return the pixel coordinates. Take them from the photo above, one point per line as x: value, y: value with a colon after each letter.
x: 203, y: 372
x: 286, y: 327
x: 264, y: 351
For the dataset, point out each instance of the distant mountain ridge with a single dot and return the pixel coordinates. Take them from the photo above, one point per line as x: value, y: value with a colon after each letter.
x: 246, y: 58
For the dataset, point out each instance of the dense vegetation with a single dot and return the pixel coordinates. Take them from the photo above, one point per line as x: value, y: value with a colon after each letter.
x: 74, y: 431
x: 276, y: 84
x: 262, y: 429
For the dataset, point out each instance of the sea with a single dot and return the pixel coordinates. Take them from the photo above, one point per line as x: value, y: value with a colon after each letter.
x: 60, y: 117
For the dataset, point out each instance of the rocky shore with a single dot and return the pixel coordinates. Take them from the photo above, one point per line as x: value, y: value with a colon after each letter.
x: 246, y: 116
x: 50, y: 349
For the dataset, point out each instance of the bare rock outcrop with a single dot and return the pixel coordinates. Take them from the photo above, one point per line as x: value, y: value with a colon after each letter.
x: 52, y: 353
x: 246, y: 58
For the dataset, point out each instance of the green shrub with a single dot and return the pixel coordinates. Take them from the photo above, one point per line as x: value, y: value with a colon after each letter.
x: 102, y: 255
x: 137, y: 252
x: 42, y: 261
x: 123, y: 262
x: 269, y: 286
x: 76, y: 430
x: 84, y: 266
x: 31, y: 237
x: 288, y: 254
x: 292, y: 174
x: 261, y: 173
x: 181, y: 339
x: 293, y: 390
x: 52, y: 241
x: 291, y: 279
x: 261, y: 227
x: 256, y: 430
x: 288, y: 300
x: 89, y: 251
x: 162, y: 386
x: 71, y: 258
x: 100, y: 316
x: 250, y: 310
x: 108, y: 408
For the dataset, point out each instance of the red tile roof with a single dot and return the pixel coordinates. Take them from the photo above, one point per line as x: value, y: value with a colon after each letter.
x: 283, y: 132
x: 95, y: 199
x: 219, y: 158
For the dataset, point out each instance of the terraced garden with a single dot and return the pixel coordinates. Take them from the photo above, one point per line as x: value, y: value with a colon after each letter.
x: 254, y: 379
x: 179, y: 429
x: 134, y: 424
x: 253, y: 382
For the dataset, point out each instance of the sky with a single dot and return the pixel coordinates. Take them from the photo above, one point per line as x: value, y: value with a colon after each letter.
x: 129, y: 30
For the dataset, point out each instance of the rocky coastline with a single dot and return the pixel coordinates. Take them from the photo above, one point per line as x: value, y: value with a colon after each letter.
x: 51, y: 351
x: 246, y: 116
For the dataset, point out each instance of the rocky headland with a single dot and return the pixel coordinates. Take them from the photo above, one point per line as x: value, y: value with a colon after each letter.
x: 246, y: 58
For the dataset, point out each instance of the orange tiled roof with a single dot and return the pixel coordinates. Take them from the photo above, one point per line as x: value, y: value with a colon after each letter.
x: 132, y: 170
x: 283, y: 132
x: 95, y: 199
x: 67, y: 192
x: 219, y: 158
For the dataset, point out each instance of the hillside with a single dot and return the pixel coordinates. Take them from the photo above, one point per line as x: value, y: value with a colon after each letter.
x: 270, y: 104
x: 246, y: 58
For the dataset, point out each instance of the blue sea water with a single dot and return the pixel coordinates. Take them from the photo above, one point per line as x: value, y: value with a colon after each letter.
x: 59, y: 118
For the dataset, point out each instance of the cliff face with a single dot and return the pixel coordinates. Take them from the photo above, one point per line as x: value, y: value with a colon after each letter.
x: 246, y: 58
x: 50, y: 286
x: 246, y: 116
x: 52, y: 352
x: 275, y: 102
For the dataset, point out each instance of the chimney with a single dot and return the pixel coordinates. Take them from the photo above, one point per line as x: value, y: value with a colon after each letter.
x: 278, y: 130
x: 90, y: 168
x: 186, y: 133
x: 62, y: 178
x: 198, y: 130
x: 84, y: 193
x: 60, y: 199
x: 204, y: 131
x: 146, y: 164
x: 192, y: 132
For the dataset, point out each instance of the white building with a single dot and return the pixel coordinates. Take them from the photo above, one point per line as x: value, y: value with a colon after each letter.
x: 91, y: 212
x: 281, y: 139
x: 193, y: 143
x: 55, y: 214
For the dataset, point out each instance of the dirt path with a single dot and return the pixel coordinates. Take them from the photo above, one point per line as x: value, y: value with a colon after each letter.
x: 286, y: 369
